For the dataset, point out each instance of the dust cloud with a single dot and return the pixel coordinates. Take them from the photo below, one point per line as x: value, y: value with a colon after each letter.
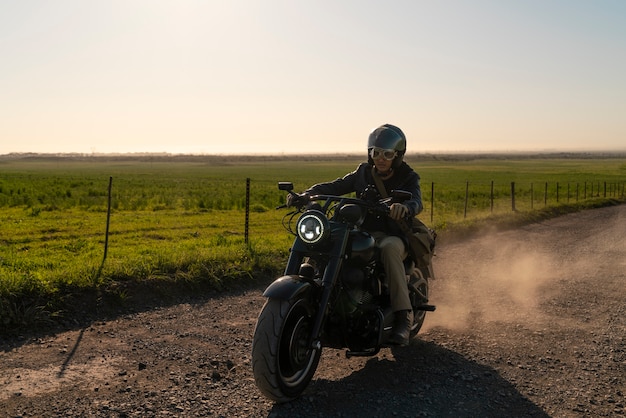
x: 505, y: 276
x: 489, y: 279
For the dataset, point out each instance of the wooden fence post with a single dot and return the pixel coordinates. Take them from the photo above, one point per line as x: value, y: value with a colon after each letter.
x: 247, y: 210
x: 466, y: 198
x: 491, y: 196
x: 106, y: 233
x: 513, y: 196
x: 432, y: 201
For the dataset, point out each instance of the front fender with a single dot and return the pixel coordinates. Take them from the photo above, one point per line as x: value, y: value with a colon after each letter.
x: 287, y: 287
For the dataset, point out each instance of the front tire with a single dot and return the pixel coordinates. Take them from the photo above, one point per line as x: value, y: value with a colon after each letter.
x: 283, y: 361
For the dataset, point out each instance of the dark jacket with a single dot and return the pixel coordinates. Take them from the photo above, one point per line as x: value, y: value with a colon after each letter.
x: 360, y: 180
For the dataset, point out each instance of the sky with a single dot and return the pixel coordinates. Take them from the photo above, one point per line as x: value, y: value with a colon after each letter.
x: 311, y: 76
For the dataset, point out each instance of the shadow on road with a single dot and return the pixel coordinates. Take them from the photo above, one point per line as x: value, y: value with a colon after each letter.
x: 423, y: 379
x: 93, y: 305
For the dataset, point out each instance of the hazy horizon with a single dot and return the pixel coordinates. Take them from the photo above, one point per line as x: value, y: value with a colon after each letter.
x: 620, y: 153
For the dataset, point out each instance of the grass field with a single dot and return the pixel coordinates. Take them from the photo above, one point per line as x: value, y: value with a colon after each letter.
x: 181, y: 219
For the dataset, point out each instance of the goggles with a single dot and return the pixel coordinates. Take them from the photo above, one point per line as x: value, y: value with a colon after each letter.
x: 387, y: 154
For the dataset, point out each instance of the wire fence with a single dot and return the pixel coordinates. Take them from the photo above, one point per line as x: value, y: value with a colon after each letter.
x: 476, y: 198
x: 445, y: 201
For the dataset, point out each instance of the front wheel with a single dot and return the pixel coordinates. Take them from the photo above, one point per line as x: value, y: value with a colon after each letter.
x: 283, y: 361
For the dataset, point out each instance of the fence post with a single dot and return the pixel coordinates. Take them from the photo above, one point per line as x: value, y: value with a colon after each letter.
x: 557, y: 192
x: 605, y: 189
x: 106, y: 236
x: 513, y: 196
x: 106, y: 233
x: 466, y: 198
x: 568, y: 192
x: 491, y: 196
x: 545, y: 195
x: 585, y: 192
x: 532, y: 196
x: 247, y: 209
x: 432, y: 201
x: 577, y: 192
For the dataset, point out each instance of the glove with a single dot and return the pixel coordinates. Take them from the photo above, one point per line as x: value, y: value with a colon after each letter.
x: 398, y: 211
x: 297, y: 199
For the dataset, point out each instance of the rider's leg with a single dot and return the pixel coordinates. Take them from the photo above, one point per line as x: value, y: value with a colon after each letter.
x: 393, y: 253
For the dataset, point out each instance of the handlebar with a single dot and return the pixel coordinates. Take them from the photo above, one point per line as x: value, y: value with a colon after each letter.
x: 334, y: 203
x: 381, y: 206
x: 298, y: 201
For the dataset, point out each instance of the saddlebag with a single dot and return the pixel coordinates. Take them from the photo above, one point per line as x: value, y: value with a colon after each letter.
x: 422, y: 246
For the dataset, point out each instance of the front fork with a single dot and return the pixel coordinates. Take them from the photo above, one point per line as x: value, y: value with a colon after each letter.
x: 329, y: 280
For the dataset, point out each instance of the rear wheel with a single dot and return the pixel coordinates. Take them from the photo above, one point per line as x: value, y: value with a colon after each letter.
x: 283, y: 360
x: 418, y: 292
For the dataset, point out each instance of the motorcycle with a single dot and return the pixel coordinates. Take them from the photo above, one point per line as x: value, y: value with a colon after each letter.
x: 332, y: 294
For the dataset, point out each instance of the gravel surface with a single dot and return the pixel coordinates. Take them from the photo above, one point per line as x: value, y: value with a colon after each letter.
x: 529, y: 322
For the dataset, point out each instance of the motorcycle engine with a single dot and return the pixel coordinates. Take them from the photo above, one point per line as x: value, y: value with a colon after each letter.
x: 356, y: 321
x: 355, y: 291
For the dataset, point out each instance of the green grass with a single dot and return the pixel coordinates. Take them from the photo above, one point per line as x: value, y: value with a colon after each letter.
x: 181, y: 220
x: 577, y: 180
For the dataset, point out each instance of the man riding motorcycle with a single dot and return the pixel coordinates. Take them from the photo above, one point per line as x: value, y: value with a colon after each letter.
x: 384, y: 169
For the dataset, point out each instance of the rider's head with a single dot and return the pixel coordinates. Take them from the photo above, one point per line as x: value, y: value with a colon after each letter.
x: 387, y: 141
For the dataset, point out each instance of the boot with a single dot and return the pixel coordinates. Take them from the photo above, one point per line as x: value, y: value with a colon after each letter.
x: 401, y: 331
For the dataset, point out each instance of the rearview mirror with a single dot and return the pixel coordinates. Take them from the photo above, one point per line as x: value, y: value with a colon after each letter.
x: 285, y: 185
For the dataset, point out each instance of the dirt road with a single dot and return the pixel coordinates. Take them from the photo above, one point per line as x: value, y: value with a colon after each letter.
x: 530, y: 322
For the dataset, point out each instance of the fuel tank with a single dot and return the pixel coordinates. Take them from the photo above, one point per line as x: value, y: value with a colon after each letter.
x: 362, y: 247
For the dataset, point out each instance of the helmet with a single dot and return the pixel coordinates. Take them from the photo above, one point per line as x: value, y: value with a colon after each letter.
x: 388, y: 137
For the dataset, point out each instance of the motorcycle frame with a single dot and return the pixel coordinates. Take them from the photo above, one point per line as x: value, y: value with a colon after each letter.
x: 292, y: 284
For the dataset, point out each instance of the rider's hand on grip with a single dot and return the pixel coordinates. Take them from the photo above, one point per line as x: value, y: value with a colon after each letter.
x: 398, y: 211
x: 294, y: 199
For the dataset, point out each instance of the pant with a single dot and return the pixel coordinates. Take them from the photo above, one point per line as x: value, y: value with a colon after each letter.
x: 393, y: 253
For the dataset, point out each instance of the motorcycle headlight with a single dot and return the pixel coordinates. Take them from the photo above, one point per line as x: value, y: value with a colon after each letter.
x: 313, y: 227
